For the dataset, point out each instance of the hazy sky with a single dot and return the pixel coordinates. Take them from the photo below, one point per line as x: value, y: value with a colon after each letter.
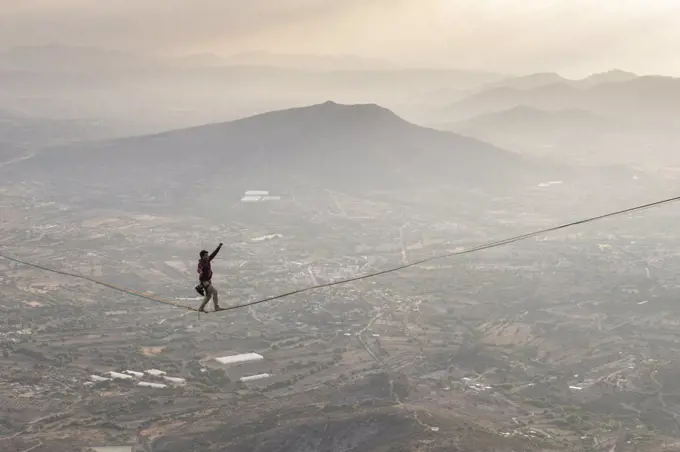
x: 570, y: 36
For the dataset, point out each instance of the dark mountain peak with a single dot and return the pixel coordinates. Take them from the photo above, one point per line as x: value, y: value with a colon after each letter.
x: 350, y: 146
x: 329, y: 114
x: 330, y: 105
x: 371, y: 110
x: 324, y: 121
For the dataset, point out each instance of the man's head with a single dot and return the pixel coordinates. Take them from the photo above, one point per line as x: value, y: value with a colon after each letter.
x: 203, y: 254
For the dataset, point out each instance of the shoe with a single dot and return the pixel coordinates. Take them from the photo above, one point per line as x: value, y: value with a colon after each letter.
x: 202, y: 310
x: 219, y: 309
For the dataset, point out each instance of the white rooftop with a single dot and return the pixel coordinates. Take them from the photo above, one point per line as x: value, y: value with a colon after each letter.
x: 245, y: 357
x: 98, y: 378
x: 135, y: 374
x: 175, y: 380
x: 548, y: 184
x: 151, y: 385
x: 155, y: 372
x: 266, y: 237
x: 120, y: 376
x: 258, y: 195
x: 255, y: 377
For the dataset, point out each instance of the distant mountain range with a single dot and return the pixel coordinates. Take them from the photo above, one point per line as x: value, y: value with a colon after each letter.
x: 351, y: 147
x: 150, y: 94
x: 166, y: 93
x: 647, y: 98
x: 539, y: 132
x: 614, y: 117
x: 575, y: 136
x: 523, y: 120
x: 538, y: 80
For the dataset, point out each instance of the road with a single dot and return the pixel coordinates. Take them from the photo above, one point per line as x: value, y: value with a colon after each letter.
x: 362, y: 342
x: 16, y: 160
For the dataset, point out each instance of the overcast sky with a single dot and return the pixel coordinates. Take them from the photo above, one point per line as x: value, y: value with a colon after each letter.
x: 573, y: 37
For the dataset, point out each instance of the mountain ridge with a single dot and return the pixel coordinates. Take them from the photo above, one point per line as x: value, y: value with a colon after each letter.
x: 524, y: 112
x: 538, y: 79
x: 350, y: 147
x: 652, y: 97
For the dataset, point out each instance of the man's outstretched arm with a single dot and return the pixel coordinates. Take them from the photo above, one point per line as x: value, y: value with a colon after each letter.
x: 214, y: 253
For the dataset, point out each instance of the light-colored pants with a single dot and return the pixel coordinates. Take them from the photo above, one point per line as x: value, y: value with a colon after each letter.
x: 210, y: 291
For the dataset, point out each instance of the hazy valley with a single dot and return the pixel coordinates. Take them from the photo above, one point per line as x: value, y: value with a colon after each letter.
x: 122, y: 168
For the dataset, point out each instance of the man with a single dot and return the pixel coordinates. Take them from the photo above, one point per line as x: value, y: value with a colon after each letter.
x: 205, y: 277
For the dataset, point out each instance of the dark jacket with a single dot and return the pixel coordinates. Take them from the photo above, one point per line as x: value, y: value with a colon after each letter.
x: 204, y: 269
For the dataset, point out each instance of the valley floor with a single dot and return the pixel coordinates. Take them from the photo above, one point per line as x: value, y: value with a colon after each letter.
x: 559, y: 343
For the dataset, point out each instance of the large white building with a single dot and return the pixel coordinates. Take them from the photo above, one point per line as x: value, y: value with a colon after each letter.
x: 151, y: 385
x: 254, y: 377
x: 175, y: 380
x: 134, y: 374
x: 258, y: 196
x: 97, y: 378
x: 119, y: 376
x: 243, y: 365
x: 238, y: 359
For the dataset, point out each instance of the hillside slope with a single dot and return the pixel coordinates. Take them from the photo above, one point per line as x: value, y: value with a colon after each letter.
x: 350, y: 147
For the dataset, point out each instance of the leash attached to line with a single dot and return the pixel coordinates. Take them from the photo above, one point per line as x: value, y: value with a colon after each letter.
x: 367, y: 276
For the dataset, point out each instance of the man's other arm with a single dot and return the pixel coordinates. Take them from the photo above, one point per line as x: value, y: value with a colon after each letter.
x: 214, y: 253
